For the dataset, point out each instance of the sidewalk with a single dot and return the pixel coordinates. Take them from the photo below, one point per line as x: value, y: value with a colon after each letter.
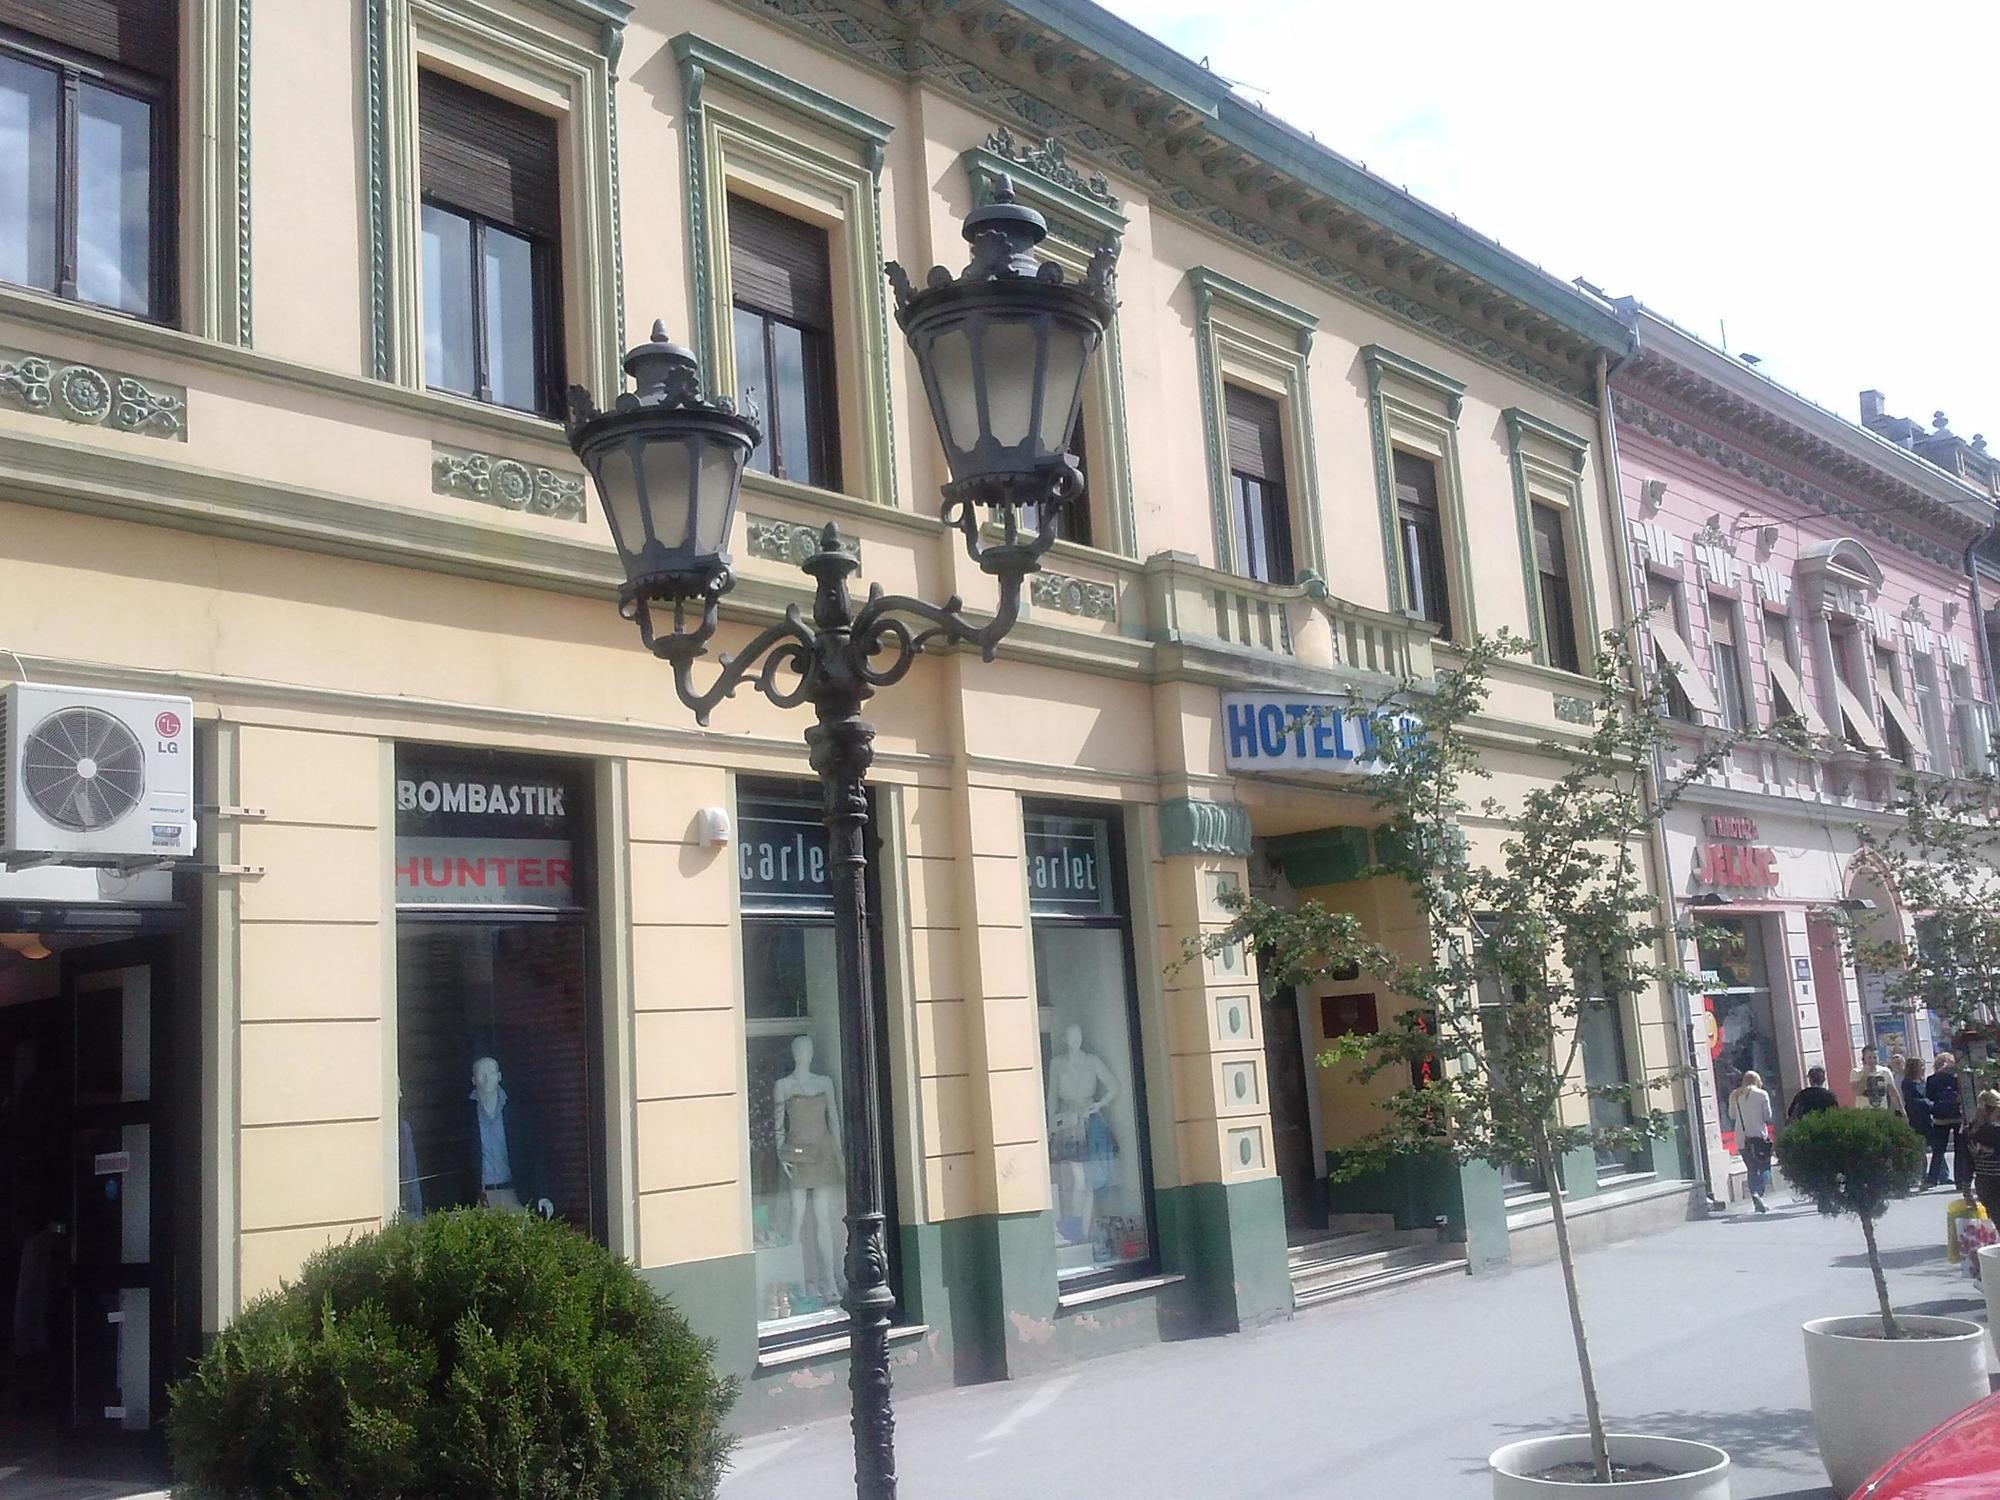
x: 1695, y: 1333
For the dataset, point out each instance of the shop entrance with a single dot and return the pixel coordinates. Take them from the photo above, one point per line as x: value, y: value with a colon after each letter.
x: 97, y: 1281
x: 1299, y: 1171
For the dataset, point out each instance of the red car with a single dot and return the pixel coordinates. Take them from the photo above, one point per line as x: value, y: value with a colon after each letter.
x: 1959, y: 1459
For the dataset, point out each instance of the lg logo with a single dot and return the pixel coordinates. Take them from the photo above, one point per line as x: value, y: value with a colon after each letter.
x: 168, y: 725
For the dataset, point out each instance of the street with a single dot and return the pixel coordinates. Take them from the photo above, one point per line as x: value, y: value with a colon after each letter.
x: 1695, y: 1333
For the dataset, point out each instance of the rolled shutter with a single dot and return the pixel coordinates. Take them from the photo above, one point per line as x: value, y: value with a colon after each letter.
x: 779, y: 265
x: 1256, y: 437
x: 488, y: 157
x: 142, y: 35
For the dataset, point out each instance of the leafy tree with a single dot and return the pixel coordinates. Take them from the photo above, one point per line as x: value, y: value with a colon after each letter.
x: 1940, y: 856
x: 1855, y: 1161
x: 462, y: 1356
x: 1525, y: 945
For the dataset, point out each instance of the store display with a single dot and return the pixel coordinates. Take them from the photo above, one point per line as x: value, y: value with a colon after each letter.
x: 1081, y: 1142
x: 808, y: 1140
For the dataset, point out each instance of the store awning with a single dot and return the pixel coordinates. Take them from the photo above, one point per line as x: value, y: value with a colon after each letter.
x: 1785, y: 679
x: 1860, y: 723
x: 1905, y: 721
x: 1677, y: 661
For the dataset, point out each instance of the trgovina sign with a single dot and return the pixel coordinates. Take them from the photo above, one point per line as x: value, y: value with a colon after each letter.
x: 1305, y: 732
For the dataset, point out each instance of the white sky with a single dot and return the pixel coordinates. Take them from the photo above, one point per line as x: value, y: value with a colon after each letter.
x: 1817, y: 175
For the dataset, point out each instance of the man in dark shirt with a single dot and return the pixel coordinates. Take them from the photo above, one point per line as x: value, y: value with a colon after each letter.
x: 1947, y: 1119
x: 1813, y: 1097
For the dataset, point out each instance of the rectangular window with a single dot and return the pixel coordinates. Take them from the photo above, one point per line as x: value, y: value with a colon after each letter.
x: 1498, y: 1017
x: 1929, y: 706
x: 1722, y: 644
x: 1261, y: 508
x: 798, y: 1070
x: 1857, y: 724
x: 781, y: 293
x: 1557, y: 589
x: 498, y: 1069
x: 492, y: 227
x: 86, y: 150
x: 1420, y: 541
x: 1100, y: 1165
x: 1601, y: 1034
x: 1681, y: 683
x: 1975, y: 729
x: 1905, y: 735
x: 1073, y: 523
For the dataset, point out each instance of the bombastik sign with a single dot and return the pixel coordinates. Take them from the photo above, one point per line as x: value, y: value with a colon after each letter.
x: 1306, y: 732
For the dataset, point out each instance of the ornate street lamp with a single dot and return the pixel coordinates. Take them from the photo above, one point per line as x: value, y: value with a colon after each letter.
x: 1002, y: 350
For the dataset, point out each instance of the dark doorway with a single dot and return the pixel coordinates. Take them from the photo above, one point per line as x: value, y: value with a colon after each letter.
x: 89, y: 1161
x: 1286, y: 1062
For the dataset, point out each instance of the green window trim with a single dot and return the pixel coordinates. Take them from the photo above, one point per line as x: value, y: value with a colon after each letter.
x: 1078, y: 227
x: 1231, y: 320
x: 1562, y: 482
x: 716, y: 136
x: 583, y: 72
x: 218, y: 290
x: 1390, y: 413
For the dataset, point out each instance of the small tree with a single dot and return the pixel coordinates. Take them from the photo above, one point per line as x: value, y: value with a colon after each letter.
x: 1522, y: 949
x: 1855, y: 1161
x: 1941, y: 856
x: 476, y: 1355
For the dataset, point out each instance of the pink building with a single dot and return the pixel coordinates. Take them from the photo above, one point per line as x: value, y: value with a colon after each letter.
x: 1795, y: 563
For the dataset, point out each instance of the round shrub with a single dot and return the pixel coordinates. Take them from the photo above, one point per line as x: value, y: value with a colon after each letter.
x: 475, y: 1355
x: 1852, y: 1161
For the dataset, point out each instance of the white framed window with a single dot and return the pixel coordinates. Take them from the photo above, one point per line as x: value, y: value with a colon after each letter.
x: 1850, y: 700
x: 1725, y: 633
x: 1781, y: 663
x: 1683, y: 683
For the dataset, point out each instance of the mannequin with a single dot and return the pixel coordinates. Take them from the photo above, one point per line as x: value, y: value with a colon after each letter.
x: 808, y: 1136
x: 1080, y: 1139
x: 503, y: 1144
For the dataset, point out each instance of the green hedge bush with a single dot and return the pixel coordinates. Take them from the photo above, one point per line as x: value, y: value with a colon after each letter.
x: 474, y: 1355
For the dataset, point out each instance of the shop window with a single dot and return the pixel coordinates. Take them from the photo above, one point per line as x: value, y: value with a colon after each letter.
x: 1556, y: 587
x: 1500, y: 1015
x: 1681, y: 683
x: 87, y: 150
x: 1420, y: 537
x: 1261, y: 510
x: 1736, y: 991
x: 1607, y: 1063
x: 797, y: 1068
x: 1724, y: 631
x: 781, y: 291
x: 491, y: 230
x: 1100, y: 1165
x: 498, y: 1077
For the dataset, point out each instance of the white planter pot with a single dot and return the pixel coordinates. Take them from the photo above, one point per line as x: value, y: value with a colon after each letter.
x: 1700, y: 1472
x: 1872, y: 1396
x: 1989, y: 1282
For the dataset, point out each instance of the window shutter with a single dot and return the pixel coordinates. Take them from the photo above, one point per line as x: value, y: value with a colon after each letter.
x: 488, y: 157
x: 779, y: 265
x: 138, y: 34
x: 1256, y: 440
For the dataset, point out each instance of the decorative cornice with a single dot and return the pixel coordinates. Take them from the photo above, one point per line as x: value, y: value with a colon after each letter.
x: 91, y: 397
x: 1050, y: 161
x: 1383, y: 363
x: 1522, y: 424
x: 1212, y: 287
x: 507, y: 483
x: 702, y: 61
x: 1226, y: 167
x: 1212, y: 829
x: 1073, y: 596
x: 1074, y: 219
x: 788, y: 541
x: 1635, y: 411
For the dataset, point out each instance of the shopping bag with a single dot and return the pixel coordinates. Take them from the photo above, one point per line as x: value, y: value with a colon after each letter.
x: 1957, y: 1212
x: 1973, y: 1235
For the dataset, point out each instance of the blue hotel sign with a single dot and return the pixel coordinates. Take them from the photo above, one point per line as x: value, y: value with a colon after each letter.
x: 1302, y: 732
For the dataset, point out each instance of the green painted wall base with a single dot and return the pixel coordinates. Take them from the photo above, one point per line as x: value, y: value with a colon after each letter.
x: 1579, y: 1173
x: 1485, y: 1216
x: 1672, y: 1154
x: 1416, y: 1190
x: 1228, y: 1240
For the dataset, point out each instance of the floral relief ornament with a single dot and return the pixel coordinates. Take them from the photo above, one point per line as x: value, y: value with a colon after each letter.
x: 91, y: 397
x: 507, y: 483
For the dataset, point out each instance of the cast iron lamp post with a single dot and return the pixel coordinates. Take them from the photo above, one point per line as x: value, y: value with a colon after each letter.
x: 1002, y: 351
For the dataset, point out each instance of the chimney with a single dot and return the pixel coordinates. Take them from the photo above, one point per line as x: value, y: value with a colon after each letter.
x: 1874, y: 407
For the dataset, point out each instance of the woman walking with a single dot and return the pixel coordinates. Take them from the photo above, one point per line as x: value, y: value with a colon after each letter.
x: 1982, y: 1144
x: 1916, y: 1102
x: 1750, y: 1113
x: 1947, y: 1118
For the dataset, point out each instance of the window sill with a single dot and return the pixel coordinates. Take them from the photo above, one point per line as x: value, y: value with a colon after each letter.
x: 1113, y: 1290
x: 838, y: 1343
x: 808, y: 497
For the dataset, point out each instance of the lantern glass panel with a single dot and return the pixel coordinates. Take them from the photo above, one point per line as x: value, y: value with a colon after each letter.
x: 616, y: 471
x: 1011, y: 350
x: 664, y: 469
x: 721, y: 468
x: 1062, y: 385
x: 951, y: 381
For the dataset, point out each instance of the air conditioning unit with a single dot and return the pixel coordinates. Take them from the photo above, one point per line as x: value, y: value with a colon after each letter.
x: 94, y: 778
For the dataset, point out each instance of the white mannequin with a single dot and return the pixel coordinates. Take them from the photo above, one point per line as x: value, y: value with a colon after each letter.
x: 486, y: 1093
x: 1075, y: 1080
x: 820, y: 1172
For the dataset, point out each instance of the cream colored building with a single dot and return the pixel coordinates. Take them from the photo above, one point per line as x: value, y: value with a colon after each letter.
x: 450, y: 810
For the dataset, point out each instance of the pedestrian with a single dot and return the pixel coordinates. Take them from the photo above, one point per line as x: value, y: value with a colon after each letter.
x: 1815, y: 1096
x: 1982, y: 1144
x: 1916, y: 1103
x: 1875, y: 1087
x: 1947, y: 1117
x: 1750, y: 1113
